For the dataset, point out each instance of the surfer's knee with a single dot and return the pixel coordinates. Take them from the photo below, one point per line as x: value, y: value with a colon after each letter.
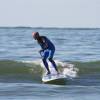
x: 50, y: 59
x: 44, y: 60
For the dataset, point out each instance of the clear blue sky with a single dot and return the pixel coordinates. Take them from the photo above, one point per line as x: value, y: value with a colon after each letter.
x: 50, y: 13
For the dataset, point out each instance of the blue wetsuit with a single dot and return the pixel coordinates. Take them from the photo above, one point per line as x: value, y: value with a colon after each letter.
x: 47, y: 51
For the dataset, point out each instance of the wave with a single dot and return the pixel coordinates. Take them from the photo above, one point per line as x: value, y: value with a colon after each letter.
x: 19, y: 70
x: 10, y: 66
x: 32, y: 70
x: 92, y: 67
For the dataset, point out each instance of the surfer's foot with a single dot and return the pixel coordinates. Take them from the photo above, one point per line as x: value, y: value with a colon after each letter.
x: 58, y: 73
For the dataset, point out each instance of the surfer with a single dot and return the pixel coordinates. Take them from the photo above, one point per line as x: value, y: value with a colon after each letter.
x: 47, y: 51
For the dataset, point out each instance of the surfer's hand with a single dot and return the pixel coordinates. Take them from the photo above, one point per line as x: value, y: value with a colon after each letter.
x: 41, y: 51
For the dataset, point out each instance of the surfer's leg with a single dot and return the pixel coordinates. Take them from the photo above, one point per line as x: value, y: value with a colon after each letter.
x: 44, y: 59
x: 53, y: 63
x: 51, y: 54
x: 46, y: 65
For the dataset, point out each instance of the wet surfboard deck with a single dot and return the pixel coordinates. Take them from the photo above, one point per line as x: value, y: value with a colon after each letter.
x: 58, y: 79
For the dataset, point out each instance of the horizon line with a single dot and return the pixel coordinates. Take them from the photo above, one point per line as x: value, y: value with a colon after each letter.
x: 45, y: 27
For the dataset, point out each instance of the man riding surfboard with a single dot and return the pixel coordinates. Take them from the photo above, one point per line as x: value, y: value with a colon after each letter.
x: 47, y: 51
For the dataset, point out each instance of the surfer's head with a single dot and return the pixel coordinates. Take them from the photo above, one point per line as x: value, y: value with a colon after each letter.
x: 35, y: 35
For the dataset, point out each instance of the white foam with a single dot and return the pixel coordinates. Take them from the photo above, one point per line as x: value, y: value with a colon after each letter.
x: 69, y: 70
x: 37, y: 62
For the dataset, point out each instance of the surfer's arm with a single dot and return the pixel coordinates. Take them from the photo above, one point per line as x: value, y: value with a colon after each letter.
x: 45, y: 46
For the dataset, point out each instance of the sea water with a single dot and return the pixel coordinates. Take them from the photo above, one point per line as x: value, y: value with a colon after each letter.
x: 20, y: 76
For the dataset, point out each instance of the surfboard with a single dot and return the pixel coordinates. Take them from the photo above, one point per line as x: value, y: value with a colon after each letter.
x: 58, y: 79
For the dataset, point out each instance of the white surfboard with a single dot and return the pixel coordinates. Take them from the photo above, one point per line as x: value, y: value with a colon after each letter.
x: 58, y: 79
x: 68, y: 72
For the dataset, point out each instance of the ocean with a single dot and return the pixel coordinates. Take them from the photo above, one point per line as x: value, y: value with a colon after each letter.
x: 20, y: 63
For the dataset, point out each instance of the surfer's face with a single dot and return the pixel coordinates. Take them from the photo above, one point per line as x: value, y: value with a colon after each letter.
x: 36, y: 36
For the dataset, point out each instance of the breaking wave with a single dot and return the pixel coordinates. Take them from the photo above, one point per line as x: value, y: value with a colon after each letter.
x: 33, y: 70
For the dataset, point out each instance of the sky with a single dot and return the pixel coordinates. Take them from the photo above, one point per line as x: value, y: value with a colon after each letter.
x: 50, y: 13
